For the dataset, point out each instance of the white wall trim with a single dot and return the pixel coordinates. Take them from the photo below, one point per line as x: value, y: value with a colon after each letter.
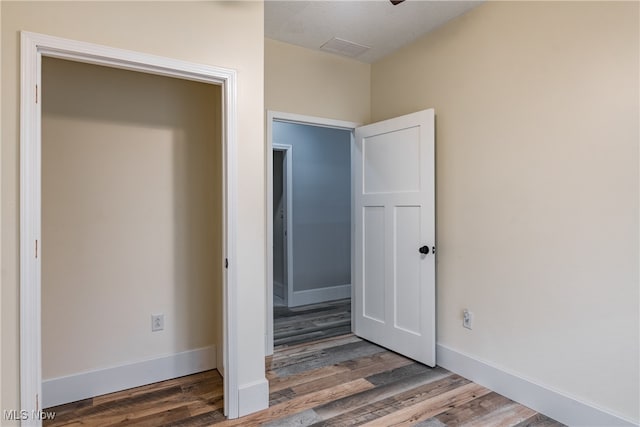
x: 33, y: 47
x: 253, y: 397
x: 312, y: 121
x: 553, y: 403
x: 314, y: 296
x: 291, y: 118
x: 61, y: 390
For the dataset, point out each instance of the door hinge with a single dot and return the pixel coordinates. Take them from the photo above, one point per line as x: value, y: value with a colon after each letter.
x: 37, y: 403
x: 36, y: 249
x: 226, y: 263
x: 36, y: 94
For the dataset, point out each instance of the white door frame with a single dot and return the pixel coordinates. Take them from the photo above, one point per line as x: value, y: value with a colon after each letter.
x: 288, y: 184
x: 304, y: 120
x: 33, y: 48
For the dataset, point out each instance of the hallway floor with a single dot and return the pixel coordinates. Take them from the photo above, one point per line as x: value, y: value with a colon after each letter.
x: 295, y: 325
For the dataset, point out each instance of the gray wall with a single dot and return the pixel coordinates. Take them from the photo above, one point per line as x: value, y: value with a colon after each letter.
x: 321, y: 204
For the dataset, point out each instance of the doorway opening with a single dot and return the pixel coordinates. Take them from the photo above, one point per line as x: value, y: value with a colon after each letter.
x: 309, y: 200
x: 392, y: 231
x: 34, y: 48
x: 282, y: 224
x: 131, y: 223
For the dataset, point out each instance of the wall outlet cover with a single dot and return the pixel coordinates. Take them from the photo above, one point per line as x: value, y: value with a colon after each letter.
x: 467, y: 319
x: 157, y: 322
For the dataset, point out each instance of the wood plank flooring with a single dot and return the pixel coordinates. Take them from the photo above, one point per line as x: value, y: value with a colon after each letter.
x: 337, y: 381
x: 306, y: 323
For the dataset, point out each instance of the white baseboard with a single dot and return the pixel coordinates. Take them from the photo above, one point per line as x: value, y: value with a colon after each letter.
x: 552, y: 403
x: 314, y: 296
x: 58, y: 391
x: 253, y: 397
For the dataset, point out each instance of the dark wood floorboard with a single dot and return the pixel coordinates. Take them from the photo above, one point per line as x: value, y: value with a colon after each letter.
x: 295, y: 325
x: 332, y: 381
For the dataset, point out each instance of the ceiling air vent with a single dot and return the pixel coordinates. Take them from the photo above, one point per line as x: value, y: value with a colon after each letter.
x: 344, y: 47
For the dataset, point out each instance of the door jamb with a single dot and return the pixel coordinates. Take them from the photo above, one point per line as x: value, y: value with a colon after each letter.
x: 33, y: 47
x: 304, y: 120
x: 288, y: 160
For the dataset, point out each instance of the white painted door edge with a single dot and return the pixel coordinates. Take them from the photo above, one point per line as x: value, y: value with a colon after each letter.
x: 290, y: 118
x: 33, y: 47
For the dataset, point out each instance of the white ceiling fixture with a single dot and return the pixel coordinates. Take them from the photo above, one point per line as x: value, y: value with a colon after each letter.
x: 350, y: 27
x: 344, y: 47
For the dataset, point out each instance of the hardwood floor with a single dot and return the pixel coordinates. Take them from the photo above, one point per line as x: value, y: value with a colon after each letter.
x: 306, y: 323
x: 337, y: 381
x: 195, y: 400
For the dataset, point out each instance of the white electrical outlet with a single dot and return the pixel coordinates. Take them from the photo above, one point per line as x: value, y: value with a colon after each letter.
x: 157, y: 322
x: 467, y: 318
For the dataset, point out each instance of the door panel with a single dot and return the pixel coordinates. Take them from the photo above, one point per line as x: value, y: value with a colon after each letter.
x: 407, y: 269
x: 394, y: 284
x: 382, y: 153
x: 373, y: 283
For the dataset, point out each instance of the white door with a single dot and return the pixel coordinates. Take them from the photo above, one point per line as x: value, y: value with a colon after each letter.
x: 394, y: 209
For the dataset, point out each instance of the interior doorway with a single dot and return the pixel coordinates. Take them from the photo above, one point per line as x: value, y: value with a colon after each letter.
x: 392, y: 231
x: 131, y: 170
x: 282, y: 224
x: 34, y: 48
x: 309, y: 200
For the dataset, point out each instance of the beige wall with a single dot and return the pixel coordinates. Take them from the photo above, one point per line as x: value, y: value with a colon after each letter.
x: 304, y: 81
x: 537, y: 187
x: 216, y: 33
x: 131, y: 216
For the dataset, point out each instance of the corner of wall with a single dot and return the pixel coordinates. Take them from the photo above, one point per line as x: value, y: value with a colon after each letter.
x: 305, y: 81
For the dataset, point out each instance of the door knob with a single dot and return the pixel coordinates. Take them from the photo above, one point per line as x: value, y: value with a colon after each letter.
x: 424, y: 250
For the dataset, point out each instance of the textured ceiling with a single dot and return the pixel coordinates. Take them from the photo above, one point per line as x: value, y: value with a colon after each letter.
x: 374, y: 23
